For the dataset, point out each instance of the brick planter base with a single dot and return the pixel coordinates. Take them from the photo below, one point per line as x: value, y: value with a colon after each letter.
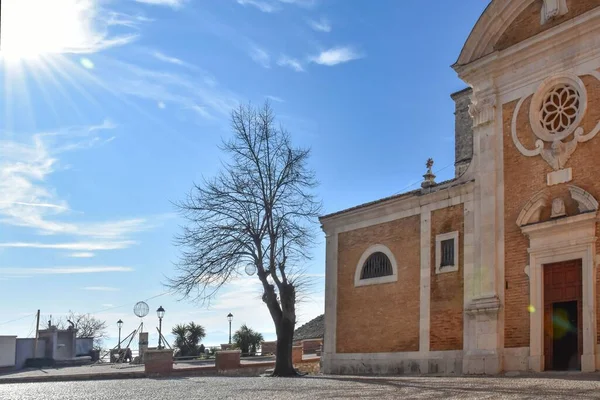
x: 158, y: 362
x: 227, y: 360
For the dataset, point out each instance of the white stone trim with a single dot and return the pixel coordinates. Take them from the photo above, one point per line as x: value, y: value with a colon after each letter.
x: 565, y: 239
x: 377, y: 248
x: 531, y: 212
x: 331, y: 267
x: 438, y: 252
x: 425, y: 292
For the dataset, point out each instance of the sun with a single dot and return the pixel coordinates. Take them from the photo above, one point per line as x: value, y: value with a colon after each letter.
x: 31, y: 29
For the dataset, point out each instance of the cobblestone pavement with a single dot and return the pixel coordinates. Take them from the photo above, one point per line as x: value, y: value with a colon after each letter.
x: 558, y: 387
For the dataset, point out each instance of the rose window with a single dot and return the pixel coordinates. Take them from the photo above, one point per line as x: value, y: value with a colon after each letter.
x: 560, y: 109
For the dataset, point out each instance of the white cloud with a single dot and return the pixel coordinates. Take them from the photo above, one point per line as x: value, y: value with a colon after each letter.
x: 270, y: 6
x: 101, y: 288
x: 322, y: 25
x: 168, y: 3
x: 285, y: 61
x: 27, y: 200
x: 260, y: 56
x: 161, y: 105
x: 171, y: 60
x: 180, y: 89
x: 82, y: 255
x: 74, y: 246
x: 263, y: 6
x: 337, y: 55
x: 63, y: 270
x: 275, y: 98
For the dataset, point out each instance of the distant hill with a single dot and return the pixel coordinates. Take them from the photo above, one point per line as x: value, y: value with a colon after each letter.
x: 314, y: 329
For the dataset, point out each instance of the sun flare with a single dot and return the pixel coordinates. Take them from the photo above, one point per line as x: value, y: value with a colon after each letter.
x: 35, y: 28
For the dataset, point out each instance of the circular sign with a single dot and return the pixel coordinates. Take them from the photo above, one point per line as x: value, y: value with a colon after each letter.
x: 141, y: 309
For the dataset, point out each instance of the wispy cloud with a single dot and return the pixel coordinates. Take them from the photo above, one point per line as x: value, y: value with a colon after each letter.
x: 263, y: 6
x: 181, y: 89
x: 171, y: 60
x: 27, y: 200
x: 74, y: 246
x: 82, y: 255
x: 337, y: 55
x: 63, y: 270
x: 270, y: 6
x: 260, y: 56
x: 321, y: 25
x: 168, y: 3
x: 101, y: 289
x: 285, y: 61
x: 275, y: 98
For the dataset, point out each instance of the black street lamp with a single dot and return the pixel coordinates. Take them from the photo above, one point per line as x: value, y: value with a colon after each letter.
x: 230, y: 318
x: 161, y: 313
x: 120, y: 325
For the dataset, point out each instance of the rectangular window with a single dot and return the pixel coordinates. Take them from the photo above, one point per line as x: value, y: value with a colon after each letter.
x: 446, y: 252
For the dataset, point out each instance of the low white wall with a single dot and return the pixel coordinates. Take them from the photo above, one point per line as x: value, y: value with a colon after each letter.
x: 8, y: 351
x: 25, y: 351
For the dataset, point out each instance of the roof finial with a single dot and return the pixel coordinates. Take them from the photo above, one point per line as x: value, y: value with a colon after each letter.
x: 429, y: 176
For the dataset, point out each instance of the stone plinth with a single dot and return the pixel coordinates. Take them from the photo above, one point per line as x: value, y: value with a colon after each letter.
x: 296, y: 354
x: 158, y: 362
x: 227, y: 359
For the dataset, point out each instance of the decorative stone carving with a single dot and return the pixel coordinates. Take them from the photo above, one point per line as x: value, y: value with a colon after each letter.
x: 557, y: 109
x: 429, y: 177
x: 483, y: 305
x: 558, y: 208
x: 586, y: 201
x: 532, y: 212
x: 553, y: 9
x: 482, y: 111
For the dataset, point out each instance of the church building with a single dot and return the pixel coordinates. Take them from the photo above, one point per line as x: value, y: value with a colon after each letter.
x: 496, y: 269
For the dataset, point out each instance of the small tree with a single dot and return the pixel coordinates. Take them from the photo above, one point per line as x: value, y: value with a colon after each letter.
x: 258, y: 211
x: 247, y: 340
x: 188, y: 338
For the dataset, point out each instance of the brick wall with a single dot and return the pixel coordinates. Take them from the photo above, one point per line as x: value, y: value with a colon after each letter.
x: 526, y: 176
x: 379, y: 318
x: 447, y: 294
x: 463, y: 128
x: 528, y: 23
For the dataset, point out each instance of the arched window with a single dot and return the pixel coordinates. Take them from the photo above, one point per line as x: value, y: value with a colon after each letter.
x: 377, y: 265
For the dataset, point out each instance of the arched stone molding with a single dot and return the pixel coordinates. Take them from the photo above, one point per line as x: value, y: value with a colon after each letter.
x: 378, y: 248
x: 584, y: 199
x: 489, y: 28
x: 532, y: 212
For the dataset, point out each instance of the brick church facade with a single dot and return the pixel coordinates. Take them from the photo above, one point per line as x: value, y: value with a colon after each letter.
x: 495, y: 270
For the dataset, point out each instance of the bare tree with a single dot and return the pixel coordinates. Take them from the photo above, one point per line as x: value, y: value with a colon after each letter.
x: 259, y: 211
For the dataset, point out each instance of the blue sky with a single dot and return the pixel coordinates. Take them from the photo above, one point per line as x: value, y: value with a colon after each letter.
x: 110, y: 110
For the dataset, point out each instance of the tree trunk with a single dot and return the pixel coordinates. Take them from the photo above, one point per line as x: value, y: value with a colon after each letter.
x: 285, y: 338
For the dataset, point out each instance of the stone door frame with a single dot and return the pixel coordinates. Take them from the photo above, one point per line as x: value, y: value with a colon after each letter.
x: 555, y: 241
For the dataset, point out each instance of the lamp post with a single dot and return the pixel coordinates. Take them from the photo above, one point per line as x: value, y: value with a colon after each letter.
x: 230, y: 318
x: 120, y: 325
x: 161, y: 313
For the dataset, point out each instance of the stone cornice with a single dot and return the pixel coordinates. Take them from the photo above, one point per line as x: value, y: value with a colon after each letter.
x: 409, y: 205
x: 563, y: 37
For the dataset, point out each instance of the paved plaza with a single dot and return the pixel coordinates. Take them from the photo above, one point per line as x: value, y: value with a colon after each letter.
x: 547, y: 387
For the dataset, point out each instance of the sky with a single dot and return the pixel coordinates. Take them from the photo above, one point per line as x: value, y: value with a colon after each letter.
x: 110, y: 110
